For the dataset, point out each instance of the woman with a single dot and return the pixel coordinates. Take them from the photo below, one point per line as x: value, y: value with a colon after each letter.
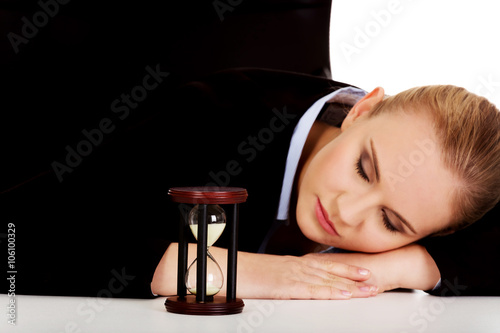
x: 398, y: 169
x: 110, y: 221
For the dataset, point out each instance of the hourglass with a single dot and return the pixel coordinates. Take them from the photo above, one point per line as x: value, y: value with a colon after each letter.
x: 204, y: 277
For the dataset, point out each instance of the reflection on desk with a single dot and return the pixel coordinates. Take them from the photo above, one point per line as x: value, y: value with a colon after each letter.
x: 389, y: 312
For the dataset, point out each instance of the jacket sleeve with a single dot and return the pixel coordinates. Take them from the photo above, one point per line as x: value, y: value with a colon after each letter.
x: 468, y: 259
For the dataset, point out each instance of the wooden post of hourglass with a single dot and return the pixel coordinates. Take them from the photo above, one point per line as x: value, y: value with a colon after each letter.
x: 201, y: 272
x: 201, y: 304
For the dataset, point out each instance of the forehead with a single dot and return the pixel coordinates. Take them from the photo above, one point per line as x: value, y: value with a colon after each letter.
x: 414, y: 180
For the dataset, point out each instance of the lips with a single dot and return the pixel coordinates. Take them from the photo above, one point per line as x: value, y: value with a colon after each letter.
x: 324, y: 221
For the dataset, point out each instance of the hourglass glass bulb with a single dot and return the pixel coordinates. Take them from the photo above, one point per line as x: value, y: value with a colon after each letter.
x: 216, y: 222
x: 215, y: 226
x: 215, y: 278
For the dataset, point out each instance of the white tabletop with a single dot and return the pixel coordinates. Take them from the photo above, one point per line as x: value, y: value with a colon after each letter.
x: 389, y: 312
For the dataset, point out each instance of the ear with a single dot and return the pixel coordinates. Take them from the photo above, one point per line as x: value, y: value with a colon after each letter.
x: 362, y: 107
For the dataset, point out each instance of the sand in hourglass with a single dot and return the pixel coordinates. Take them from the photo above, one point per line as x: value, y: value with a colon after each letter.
x: 210, y: 291
x: 213, y: 233
x: 214, y: 230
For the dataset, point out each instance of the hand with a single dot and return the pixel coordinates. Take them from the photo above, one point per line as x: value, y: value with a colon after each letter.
x: 409, y: 267
x: 313, y: 276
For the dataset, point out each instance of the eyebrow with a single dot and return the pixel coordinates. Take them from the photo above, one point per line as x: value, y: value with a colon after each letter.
x: 375, y: 161
x: 406, y: 223
x: 377, y: 176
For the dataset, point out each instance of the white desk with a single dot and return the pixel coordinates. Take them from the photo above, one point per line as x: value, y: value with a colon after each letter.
x: 413, y: 312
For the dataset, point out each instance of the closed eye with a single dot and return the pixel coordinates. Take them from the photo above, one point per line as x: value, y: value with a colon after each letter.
x: 387, y: 223
x: 385, y: 219
x: 361, y: 172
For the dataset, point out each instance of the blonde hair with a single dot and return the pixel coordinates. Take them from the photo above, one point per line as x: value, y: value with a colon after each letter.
x: 468, y: 129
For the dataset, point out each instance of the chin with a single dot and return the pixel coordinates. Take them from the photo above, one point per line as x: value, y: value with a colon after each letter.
x: 307, y: 228
x: 313, y: 234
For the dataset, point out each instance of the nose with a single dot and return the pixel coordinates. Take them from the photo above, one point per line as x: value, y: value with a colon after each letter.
x: 354, y: 208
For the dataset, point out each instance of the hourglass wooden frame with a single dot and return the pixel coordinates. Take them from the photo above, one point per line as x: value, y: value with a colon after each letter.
x: 201, y: 304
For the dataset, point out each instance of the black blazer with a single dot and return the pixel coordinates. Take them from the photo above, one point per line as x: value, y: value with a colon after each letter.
x: 468, y: 260
x: 100, y: 207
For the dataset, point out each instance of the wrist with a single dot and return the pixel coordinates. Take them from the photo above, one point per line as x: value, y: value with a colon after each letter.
x: 255, y: 275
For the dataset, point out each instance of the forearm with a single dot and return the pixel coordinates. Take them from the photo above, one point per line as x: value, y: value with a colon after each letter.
x: 272, y: 276
x: 252, y: 280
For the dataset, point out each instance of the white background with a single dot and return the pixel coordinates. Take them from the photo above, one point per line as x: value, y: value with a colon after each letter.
x: 398, y: 44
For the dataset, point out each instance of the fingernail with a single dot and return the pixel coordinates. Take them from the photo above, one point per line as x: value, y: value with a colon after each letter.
x: 346, y: 293
x: 363, y: 271
x: 366, y: 288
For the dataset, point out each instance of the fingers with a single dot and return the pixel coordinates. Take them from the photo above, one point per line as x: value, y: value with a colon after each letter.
x: 314, y: 283
x: 327, y: 279
x: 333, y: 292
x: 363, y: 290
x: 338, y: 269
x: 336, y: 287
x: 311, y: 277
x: 326, y: 292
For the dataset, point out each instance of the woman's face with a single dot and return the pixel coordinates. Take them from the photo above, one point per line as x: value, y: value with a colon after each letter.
x: 377, y: 186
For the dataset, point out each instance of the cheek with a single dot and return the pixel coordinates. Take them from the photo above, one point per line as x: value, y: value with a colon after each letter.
x: 332, y: 166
